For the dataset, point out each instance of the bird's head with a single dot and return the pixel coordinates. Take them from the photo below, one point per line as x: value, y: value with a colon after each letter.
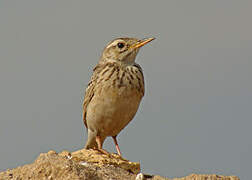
x: 123, y: 50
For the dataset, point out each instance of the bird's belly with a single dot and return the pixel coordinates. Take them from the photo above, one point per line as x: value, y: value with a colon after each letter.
x: 112, y: 109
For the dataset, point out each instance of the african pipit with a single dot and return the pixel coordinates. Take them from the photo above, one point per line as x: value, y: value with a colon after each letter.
x: 114, y: 92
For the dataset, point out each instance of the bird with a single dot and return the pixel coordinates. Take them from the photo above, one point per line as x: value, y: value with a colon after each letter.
x: 114, y: 92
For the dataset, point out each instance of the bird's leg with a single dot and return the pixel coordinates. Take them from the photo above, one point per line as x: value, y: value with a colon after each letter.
x: 117, y: 146
x: 99, y: 143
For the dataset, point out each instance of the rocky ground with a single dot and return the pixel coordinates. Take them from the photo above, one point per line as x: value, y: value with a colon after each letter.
x: 91, y: 165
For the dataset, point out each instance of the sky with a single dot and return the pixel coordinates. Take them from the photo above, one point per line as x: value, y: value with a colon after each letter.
x: 196, y: 114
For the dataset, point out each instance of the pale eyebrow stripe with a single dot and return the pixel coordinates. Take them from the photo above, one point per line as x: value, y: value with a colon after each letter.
x: 114, y: 43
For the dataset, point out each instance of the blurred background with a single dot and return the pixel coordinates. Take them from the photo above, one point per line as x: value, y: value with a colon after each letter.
x: 197, y: 110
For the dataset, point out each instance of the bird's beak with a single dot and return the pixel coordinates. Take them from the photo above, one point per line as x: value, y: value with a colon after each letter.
x: 142, y: 43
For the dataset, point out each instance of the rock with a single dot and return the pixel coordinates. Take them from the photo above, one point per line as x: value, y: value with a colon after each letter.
x: 207, y: 177
x: 88, y: 156
x: 88, y: 164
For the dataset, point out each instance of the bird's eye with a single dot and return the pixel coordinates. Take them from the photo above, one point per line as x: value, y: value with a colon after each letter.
x: 120, y: 45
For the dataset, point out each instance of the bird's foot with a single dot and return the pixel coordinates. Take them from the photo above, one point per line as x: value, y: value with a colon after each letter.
x: 102, y: 151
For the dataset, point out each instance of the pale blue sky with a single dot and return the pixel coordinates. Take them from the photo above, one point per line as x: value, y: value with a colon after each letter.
x: 197, y: 110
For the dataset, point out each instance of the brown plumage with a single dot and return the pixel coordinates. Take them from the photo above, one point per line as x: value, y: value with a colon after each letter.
x: 114, y: 93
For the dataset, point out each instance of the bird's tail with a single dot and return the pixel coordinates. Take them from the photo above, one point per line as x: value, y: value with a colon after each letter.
x: 91, y: 141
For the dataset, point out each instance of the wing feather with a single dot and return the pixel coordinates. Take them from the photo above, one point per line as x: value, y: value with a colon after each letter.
x: 90, y: 92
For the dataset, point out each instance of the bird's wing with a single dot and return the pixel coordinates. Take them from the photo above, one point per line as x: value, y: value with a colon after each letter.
x: 89, y: 93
